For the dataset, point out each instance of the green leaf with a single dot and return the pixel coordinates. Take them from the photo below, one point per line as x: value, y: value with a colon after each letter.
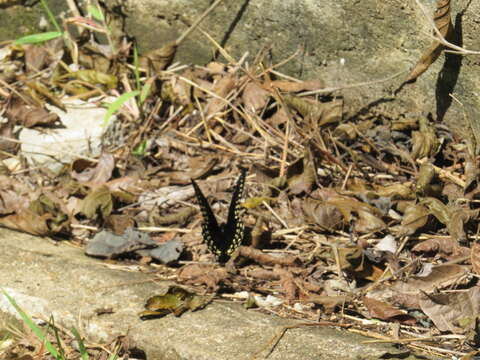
x: 81, y: 345
x: 137, y: 67
x: 117, y: 104
x: 35, y: 329
x: 140, y: 149
x: 145, y: 91
x: 95, y: 12
x: 51, y: 17
x: 38, y: 38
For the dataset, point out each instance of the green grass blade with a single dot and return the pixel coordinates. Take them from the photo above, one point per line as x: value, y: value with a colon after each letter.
x: 57, y: 337
x: 81, y: 344
x: 117, y: 104
x: 137, y: 66
x: 114, y: 355
x: 96, y: 13
x: 36, y: 330
x: 50, y: 16
x: 145, y: 92
x: 38, y: 38
x: 140, y: 150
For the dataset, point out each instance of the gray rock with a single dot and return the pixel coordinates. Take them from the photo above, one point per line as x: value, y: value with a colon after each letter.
x: 108, y: 244
x: 165, y: 253
x: 72, y: 287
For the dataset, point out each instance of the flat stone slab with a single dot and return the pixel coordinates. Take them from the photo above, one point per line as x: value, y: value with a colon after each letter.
x: 54, y: 278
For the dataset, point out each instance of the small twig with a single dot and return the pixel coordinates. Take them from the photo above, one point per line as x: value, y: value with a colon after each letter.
x: 286, y: 140
x: 347, y: 175
x: 272, y: 343
x: 197, y: 22
x: 400, y: 341
x: 164, y: 229
x: 204, y: 120
x: 284, y: 224
x: 349, y: 86
x: 439, y: 37
x: 446, y: 174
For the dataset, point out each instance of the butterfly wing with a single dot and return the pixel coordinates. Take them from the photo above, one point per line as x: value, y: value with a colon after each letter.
x: 234, y: 229
x: 210, y: 230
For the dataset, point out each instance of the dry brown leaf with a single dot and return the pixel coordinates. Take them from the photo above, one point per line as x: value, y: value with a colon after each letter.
x: 222, y: 88
x: 325, y: 215
x: 438, y: 209
x: 425, y: 176
x: 287, y: 283
x: 291, y: 86
x: 278, y: 118
x: 44, y: 92
x: 441, y: 277
x: 158, y: 59
x: 414, y: 218
x: 330, y: 302
x: 36, y: 57
x: 348, y: 205
x: 346, y: 132
x: 407, y: 292
x: 99, y: 173
x: 301, y: 175
x: 446, y: 247
x: 318, y: 113
x: 425, y: 141
x: 368, y: 222
x: 396, y: 191
x: 28, y: 221
x: 442, y: 19
x: 381, y: 310
x: 454, y: 312
x: 475, y: 257
x: 98, y: 201
x: 130, y: 184
x: 254, y: 97
x: 266, y: 259
x: 29, y: 116
x: 11, y: 201
x: 203, y: 274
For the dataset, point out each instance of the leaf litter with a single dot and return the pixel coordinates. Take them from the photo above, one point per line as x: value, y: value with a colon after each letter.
x: 363, y: 221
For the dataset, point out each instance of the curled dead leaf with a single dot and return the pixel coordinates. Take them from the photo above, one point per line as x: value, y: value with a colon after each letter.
x: 443, y: 22
x: 415, y: 217
x: 98, y: 201
x: 177, y: 300
x: 325, y: 215
x: 158, y: 59
x: 475, y: 257
x: 383, y: 311
x: 425, y: 141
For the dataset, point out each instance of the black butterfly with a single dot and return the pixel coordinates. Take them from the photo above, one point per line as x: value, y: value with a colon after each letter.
x: 223, y: 240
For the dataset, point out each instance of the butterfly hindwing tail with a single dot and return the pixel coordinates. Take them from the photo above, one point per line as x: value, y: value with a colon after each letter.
x: 210, y: 229
x: 224, y: 240
x: 234, y: 226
